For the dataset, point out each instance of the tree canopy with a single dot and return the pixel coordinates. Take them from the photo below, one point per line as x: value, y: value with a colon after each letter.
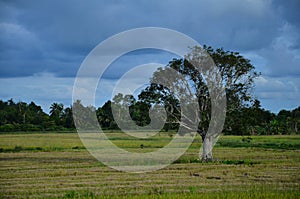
x: 197, y: 76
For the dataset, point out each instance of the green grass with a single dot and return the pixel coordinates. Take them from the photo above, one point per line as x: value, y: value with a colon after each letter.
x: 291, y: 142
x: 56, y: 165
x: 70, y: 141
x: 256, y: 192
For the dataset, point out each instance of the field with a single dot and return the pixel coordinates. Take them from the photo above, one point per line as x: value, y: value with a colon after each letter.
x: 56, y: 165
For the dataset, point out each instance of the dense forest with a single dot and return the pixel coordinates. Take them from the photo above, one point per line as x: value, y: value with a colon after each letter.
x: 254, y: 120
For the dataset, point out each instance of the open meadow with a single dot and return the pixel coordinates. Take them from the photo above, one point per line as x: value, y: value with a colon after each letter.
x: 57, y: 165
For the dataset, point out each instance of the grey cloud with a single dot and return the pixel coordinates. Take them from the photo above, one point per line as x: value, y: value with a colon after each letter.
x: 289, y: 9
x: 43, y: 89
x: 278, y: 93
x: 55, y: 36
x: 281, y: 59
x: 76, y: 26
x: 289, y: 12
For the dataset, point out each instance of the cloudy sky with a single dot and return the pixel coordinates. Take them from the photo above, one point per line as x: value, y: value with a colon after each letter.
x: 43, y: 43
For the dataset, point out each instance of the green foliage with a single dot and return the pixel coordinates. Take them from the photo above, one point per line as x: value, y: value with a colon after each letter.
x: 246, y: 121
x: 7, y: 128
x: 79, y: 194
x: 262, y: 142
x: 238, y: 162
x: 30, y: 117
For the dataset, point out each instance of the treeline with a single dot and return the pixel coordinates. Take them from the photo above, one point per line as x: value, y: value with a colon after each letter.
x: 254, y: 120
x: 21, y: 116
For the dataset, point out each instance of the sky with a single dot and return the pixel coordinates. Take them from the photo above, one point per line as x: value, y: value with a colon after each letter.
x: 43, y: 43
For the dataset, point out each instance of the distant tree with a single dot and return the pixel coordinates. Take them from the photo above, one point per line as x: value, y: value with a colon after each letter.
x: 56, y: 112
x: 3, y: 112
x: 249, y: 120
x: 288, y: 120
x: 11, y: 112
x: 121, y: 103
x: 295, y: 117
x: 22, y: 116
x: 122, y: 110
x: 105, y: 116
x: 67, y: 116
x: 21, y: 112
x: 140, y: 113
x: 84, y: 116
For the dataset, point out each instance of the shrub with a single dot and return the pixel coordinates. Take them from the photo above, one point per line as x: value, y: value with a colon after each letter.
x: 7, y: 128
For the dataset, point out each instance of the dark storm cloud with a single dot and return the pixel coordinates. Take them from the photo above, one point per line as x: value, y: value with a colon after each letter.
x: 43, y: 39
x: 289, y: 10
x: 54, y: 36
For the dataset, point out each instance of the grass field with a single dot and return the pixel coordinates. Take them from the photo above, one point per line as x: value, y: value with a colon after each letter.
x: 56, y: 165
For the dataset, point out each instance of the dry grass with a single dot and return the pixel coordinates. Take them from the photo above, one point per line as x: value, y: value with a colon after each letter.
x: 74, y: 173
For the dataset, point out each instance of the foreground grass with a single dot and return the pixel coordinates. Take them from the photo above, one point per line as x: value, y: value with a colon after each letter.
x: 57, y: 166
x: 255, y: 193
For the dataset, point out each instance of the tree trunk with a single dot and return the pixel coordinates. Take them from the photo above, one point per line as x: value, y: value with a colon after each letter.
x: 207, y: 145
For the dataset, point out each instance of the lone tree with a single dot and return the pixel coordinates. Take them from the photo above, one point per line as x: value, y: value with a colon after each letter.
x: 192, y: 80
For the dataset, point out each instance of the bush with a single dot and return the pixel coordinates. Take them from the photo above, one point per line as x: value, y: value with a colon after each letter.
x: 30, y: 127
x: 7, y: 128
x: 18, y: 149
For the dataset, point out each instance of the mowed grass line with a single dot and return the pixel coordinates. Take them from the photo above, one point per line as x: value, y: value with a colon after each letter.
x: 72, y: 173
x: 70, y: 141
